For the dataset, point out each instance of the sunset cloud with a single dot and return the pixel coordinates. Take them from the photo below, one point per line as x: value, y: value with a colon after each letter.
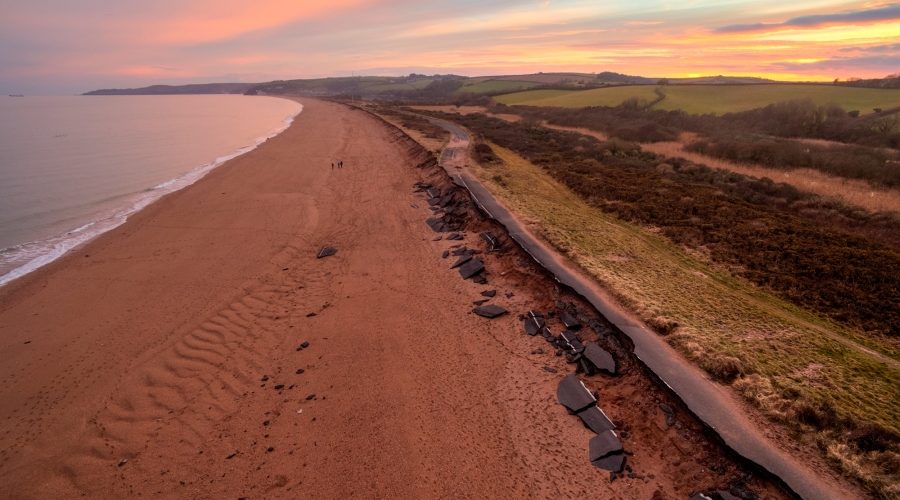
x: 54, y: 46
x: 868, y: 16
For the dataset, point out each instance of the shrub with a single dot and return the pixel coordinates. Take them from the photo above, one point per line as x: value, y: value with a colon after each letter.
x: 817, y: 415
x: 852, y: 162
x: 662, y: 324
x: 484, y: 154
x: 820, y: 255
x: 723, y: 368
x: 874, y: 438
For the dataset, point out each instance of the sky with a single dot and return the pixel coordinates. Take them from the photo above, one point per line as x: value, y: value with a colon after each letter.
x: 71, y: 46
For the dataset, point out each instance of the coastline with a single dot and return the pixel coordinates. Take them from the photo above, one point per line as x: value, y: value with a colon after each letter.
x: 36, y: 254
x: 202, y: 350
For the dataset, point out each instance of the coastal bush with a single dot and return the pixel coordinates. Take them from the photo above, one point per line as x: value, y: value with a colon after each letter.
x: 484, y: 155
x: 817, y: 415
x: 877, y: 166
x: 874, y: 438
x: 662, y: 325
x: 789, y: 119
x: 823, y: 256
x: 723, y: 368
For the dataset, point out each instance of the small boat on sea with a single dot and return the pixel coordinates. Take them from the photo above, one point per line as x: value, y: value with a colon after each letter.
x: 16, y: 95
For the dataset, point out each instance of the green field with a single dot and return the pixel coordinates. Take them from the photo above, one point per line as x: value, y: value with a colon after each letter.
x: 418, y: 84
x: 609, y: 96
x: 715, y: 99
x: 495, y: 86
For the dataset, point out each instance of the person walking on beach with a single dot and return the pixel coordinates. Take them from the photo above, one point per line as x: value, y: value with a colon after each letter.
x: 332, y: 165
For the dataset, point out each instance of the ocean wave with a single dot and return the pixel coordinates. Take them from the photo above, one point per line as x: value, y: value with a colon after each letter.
x: 27, y: 257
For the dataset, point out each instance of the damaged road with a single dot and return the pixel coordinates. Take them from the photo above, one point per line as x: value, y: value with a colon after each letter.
x: 716, y: 409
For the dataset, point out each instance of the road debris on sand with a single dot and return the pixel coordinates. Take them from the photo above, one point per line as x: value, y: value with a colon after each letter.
x: 471, y: 268
x: 326, y: 251
x: 572, y: 394
x: 490, y: 311
x: 534, y: 322
x: 605, y: 452
x: 595, y: 358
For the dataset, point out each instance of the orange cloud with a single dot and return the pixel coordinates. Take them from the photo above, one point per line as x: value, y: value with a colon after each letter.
x: 148, y: 71
x: 209, y: 21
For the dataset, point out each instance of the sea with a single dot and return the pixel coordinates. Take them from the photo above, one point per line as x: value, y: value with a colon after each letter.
x: 74, y: 167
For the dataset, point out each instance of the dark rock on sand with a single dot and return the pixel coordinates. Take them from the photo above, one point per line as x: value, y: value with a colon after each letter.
x: 604, y: 444
x: 490, y: 311
x: 471, y: 268
x: 534, y: 323
x: 326, y: 252
x: 569, y: 320
x: 599, y: 359
x: 572, y: 394
x: 595, y: 420
x: 461, y: 260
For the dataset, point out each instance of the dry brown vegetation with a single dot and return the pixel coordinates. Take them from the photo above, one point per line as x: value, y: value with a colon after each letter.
x: 759, y: 136
x: 824, y: 257
x: 854, y: 192
x: 876, y: 165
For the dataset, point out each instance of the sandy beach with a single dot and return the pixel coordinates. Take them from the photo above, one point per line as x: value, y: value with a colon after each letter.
x: 162, y: 359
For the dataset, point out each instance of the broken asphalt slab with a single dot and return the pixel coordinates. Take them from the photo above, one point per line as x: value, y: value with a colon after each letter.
x: 605, y: 451
x: 471, y: 268
x: 326, y: 252
x: 595, y: 420
x: 571, y: 341
x: 604, y: 444
x: 437, y: 225
x: 534, y: 322
x: 490, y: 311
x: 492, y: 242
x: 572, y: 394
x: 599, y: 358
x: 569, y: 320
x: 461, y: 260
x: 612, y: 463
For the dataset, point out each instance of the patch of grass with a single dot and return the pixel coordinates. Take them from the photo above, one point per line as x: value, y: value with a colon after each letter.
x: 608, y: 96
x: 730, y: 98
x: 413, y: 84
x: 496, y: 86
x: 715, y: 99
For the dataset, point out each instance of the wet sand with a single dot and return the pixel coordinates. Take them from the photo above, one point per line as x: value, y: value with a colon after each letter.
x: 161, y: 359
